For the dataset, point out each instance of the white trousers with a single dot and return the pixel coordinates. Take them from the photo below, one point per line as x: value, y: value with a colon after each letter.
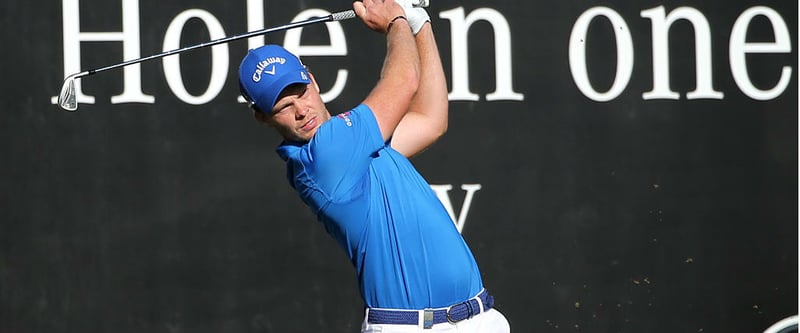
x: 491, y: 321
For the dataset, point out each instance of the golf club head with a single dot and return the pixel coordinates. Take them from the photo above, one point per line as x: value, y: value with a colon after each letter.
x: 67, y: 99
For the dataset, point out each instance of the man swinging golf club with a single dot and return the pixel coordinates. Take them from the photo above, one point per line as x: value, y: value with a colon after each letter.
x: 415, y: 272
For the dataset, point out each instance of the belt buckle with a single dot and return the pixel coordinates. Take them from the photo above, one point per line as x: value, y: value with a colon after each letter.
x: 450, y: 318
x: 427, y: 319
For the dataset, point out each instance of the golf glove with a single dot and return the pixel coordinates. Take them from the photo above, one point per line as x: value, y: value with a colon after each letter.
x: 416, y: 16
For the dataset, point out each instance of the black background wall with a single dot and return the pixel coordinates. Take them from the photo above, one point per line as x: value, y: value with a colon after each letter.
x: 628, y: 215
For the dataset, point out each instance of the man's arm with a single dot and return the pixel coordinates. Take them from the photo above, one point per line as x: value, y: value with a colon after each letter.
x: 391, y: 97
x: 426, y: 119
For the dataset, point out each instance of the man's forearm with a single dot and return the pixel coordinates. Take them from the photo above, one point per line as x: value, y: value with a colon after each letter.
x: 426, y: 119
x: 431, y: 98
x: 391, y: 98
x: 402, y: 64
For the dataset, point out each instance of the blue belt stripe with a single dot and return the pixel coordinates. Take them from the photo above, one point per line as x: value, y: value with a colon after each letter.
x: 458, y: 312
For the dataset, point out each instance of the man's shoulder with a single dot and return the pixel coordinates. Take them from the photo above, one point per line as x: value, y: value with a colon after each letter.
x: 361, y: 112
x: 357, y: 123
x: 288, y: 150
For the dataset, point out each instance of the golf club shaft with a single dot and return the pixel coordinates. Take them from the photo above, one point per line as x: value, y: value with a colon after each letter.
x: 338, y: 16
x: 67, y: 98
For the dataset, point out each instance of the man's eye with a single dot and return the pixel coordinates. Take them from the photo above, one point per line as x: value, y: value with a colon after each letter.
x: 280, y: 109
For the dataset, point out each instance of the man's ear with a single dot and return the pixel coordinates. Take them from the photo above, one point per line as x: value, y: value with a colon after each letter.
x: 261, y: 118
x: 314, y: 82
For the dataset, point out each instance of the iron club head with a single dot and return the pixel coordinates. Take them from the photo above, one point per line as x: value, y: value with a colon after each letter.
x: 67, y: 99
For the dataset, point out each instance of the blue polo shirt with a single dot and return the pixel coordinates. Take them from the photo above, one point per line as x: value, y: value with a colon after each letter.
x: 404, y: 246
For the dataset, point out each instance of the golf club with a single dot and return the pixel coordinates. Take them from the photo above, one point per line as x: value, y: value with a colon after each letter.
x: 67, y: 98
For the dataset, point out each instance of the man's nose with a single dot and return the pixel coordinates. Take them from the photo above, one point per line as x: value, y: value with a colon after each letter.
x: 302, y: 110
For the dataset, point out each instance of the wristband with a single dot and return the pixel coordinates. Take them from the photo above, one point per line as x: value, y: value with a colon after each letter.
x: 389, y: 27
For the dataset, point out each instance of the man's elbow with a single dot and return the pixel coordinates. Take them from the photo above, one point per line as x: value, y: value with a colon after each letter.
x: 442, y: 129
x: 412, y: 80
x: 439, y: 129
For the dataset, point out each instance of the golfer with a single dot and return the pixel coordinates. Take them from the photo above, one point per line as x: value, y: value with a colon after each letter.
x: 415, y: 272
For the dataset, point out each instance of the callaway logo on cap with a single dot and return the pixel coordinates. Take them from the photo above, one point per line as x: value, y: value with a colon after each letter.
x: 261, y: 66
x: 265, y: 72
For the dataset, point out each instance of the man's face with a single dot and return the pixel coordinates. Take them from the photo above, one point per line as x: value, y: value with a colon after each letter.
x: 298, y: 112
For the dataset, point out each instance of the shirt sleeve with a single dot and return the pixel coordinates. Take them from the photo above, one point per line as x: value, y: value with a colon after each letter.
x: 341, y: 151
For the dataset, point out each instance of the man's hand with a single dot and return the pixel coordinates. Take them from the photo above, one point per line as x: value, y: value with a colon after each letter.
x: 416, y: 16
x: 377, y: 14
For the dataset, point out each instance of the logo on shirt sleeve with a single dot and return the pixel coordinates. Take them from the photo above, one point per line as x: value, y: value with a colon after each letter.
x: 346, y: 117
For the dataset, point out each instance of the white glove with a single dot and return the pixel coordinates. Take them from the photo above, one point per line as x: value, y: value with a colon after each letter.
x: 416, y: 16
x: 420, y: 3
